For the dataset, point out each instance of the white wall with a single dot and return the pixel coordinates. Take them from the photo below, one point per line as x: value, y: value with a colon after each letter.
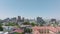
x: 1, y: 32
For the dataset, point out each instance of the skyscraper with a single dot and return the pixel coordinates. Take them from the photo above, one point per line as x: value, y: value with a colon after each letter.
x: 53, y: 21
x: 23, y: 19
x: 19, y: 18
x: 40, y: 21
x: 6, y: 20
x: 13, y: 19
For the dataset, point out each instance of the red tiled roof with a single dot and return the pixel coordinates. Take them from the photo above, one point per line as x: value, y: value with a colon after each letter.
x: 53, y: 29
x: 18, y: 30
x: 58, y: 28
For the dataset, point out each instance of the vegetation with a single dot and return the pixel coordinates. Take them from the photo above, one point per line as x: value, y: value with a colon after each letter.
x: 17, y: 33
x: 27, y: 30
x: 42, y: 23
x: 1, y: 28
x: 11, y: 24
x: 26, y: 23
x: 33, y: 24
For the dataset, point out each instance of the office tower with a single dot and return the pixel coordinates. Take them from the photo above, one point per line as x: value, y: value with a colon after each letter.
x: 6, y: 20
x: 53, y: 21
x: 13, y: 19
x: 23, y: 19
x: 40, y: 21
x: 19, y: 18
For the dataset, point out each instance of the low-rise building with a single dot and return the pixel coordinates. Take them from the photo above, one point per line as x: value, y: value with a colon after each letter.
x: 8, y: 28
x: 45, y: 30
x: 1, y: 32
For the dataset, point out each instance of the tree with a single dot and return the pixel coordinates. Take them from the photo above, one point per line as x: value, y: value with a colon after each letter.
x: 33, y: 24
x: 26, y: 23
x: 42, y: 23
x: 1, y: 28
x: 16, y: 33
x: 11, y: 24
x: 27, y: 30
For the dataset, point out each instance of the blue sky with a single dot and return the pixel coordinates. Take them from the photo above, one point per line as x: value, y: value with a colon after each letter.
x: 30, y: 8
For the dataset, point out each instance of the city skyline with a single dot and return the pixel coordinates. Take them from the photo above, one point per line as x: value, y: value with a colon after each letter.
x: 30, y: 8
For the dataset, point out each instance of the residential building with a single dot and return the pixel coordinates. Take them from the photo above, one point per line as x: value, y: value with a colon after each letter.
x: 8, y: 28
x: 14, y: 20
x: 18, y: 30
x: 6, y: 20
x: 1, y: 32
x: 45, y: 30
x: 29, y: 26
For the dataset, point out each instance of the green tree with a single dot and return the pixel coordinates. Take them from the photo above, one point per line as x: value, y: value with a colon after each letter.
x: 11, y: 24
x: 33, y: 24
x: 18, y: 33
x: 42, y: 23
x: 1, y: 28
x: 27, y: 30
x: 26, y: 23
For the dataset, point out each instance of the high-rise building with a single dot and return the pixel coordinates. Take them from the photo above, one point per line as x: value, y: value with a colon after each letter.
x: 6, y: 20
x: 23, y: 19
x: 26, y: 20
x: 53, y: 21
x: 40, y: 21
x: 19, y: 18
x: 13, y: 20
